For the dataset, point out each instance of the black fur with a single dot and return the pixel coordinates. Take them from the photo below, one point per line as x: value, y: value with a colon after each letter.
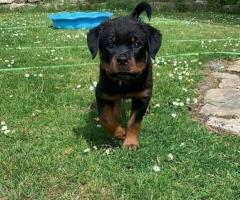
x: 140, y: 8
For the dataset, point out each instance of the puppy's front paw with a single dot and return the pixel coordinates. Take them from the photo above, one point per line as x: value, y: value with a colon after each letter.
x: 120, y: 133
x: 131, y: 143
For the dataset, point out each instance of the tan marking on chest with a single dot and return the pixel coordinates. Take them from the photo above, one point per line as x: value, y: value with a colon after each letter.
x: 141, y: 94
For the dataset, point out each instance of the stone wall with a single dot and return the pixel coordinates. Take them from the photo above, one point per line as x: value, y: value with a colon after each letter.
x: 12, y: 4
x: 18, y: 1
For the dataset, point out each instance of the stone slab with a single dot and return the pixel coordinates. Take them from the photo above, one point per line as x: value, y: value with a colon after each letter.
x: 228, y: 80
x: 222, y: 104
x: 235, y: 67
x: 229, y: 125
x: 6, y: 1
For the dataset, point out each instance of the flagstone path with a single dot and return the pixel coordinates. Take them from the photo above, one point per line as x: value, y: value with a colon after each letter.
x: 222, y: 104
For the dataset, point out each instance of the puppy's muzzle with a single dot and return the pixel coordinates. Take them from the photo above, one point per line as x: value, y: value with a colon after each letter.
x: 124, y: 76
x: 122, y: 59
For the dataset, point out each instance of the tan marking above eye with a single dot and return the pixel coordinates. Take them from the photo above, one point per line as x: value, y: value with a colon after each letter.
x: 133, y: 39
x: 114, y: 38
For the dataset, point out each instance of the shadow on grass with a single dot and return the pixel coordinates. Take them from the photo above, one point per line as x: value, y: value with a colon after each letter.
x: 94, y: 136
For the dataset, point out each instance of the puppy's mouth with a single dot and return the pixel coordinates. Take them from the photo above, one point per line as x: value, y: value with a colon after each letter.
x: 124, y: 76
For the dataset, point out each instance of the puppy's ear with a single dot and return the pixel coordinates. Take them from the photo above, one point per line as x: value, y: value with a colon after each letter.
x: 143, y: 6
x: 93, y: 40
x: 154, y: 41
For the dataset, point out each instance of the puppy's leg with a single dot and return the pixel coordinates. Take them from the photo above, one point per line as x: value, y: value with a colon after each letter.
x: 139, y: 107
x: 109, y: 114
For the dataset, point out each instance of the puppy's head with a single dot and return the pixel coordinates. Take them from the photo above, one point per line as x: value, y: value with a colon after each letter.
x: 125, y: 44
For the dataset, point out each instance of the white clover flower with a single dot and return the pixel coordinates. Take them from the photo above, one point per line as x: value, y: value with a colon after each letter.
x: 157, y: 105
x: 4, y: 128
x: 184, y: 89
x: 182, y: 144
x: 171, y: 75
x: 174, y: 115
x: 175, y: 103
x: 3, y: 123
x: 91, y: 88
x: 180, y: 78
x: 40, y: 75
x: 96, y: 119
x: 87, y: 150
x: 99, y: 125
x: 181, y: 104
x: 94, y: 83
x: 170, y: 156
x: 156, y: 168
x: 78, y: 86
x: 27, y: 75
x: 6, y: 131
x: 107, y: 151
x: 195, y: 100
x: 158, y: 74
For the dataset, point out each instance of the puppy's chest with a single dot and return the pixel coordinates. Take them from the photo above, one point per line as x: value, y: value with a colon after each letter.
x: 113, y: 97
x: 118, y: 91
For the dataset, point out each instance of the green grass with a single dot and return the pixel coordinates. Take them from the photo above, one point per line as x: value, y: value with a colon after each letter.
x: 52, y: 119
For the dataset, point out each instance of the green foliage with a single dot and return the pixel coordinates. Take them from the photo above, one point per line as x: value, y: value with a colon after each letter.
x: 180, y: 5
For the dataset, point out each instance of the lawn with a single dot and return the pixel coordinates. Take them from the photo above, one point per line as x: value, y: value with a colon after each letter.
x: 53, y: 147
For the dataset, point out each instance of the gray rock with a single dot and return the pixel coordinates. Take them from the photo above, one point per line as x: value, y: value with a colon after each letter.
x: 227, y: 80
x: 33, y: 1
x: 217, y: 67
x: 20, y: 1
x: 6, y: 1
x: 231, y: 8
x: 229, y: 125
x: 222, y: 104
x: 234, y: 67
x: 16, y: 5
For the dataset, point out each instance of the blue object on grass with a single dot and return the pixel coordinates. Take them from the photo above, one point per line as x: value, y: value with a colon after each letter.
x: 78, y: 20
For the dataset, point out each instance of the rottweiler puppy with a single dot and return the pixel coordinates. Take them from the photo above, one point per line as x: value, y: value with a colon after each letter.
x: 126, y: 46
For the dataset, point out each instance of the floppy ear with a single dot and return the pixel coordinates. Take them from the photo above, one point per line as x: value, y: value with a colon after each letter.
x: 154, y: 41
x: 93, y: 40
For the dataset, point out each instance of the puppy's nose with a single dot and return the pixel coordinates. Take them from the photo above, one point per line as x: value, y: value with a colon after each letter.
x: 122, y: 60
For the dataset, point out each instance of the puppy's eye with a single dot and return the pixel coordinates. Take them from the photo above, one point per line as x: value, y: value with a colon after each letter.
x: 137, y: 44
x: 110, y: 44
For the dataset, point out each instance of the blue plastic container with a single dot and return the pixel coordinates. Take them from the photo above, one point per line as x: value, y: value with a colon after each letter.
x: 78, y: 20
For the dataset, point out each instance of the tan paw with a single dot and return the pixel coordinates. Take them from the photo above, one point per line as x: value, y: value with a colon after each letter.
x: 130, y: 143
x: 120, y: 133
